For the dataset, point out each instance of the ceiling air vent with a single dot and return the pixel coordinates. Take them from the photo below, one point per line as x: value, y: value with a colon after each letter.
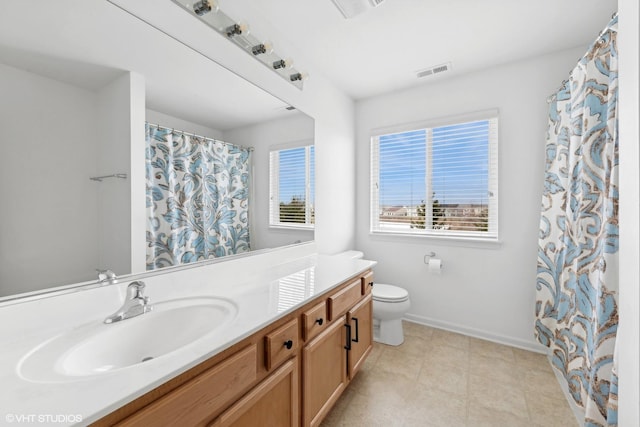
x: 432, y: 71
x: 351, y: 8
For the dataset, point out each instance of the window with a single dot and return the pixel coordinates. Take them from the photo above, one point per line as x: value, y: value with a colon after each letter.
x: 438, y: 180
x: 292, y: 187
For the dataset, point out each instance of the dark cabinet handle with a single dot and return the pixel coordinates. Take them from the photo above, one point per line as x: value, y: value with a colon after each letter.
x: 371, y: 284
x: 288, y: 344
x: 319, y: 321
x: 355, y: 319
x: 348, y: 340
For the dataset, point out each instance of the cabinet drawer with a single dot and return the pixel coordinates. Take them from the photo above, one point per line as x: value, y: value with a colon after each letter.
x: 343, y: 300
x: 314, y: 321
x: 199, y: 398
x: 281, y: 344
x: 367, y: 283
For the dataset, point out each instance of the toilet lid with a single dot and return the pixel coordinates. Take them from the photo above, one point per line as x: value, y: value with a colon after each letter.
x: 389, y: 293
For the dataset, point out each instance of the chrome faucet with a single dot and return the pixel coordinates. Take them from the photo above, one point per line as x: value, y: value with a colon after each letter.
x: 106, y: 276
x: 135, y: 303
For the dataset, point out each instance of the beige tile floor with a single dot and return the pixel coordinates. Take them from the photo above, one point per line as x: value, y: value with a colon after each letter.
x: 438, y: 378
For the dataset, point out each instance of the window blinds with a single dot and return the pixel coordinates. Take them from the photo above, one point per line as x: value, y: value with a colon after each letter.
x: 291, y: 186
x: 440, y: 180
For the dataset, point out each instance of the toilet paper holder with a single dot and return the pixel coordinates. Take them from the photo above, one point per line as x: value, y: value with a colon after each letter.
x: 429, y: 255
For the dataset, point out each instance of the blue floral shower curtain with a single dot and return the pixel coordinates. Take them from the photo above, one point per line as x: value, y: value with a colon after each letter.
x: 577, y: 282
x: 197, y: 198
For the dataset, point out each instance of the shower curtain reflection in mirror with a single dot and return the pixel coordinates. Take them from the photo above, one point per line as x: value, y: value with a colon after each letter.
x: 197, y: 197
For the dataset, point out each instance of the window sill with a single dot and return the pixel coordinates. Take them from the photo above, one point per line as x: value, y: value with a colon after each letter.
x: 473, y: 242
x: 287, y: 227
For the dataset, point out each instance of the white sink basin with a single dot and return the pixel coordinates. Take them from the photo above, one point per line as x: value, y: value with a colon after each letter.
x: 97, y: 348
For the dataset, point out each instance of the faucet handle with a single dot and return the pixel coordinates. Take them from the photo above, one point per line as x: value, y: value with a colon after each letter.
x: 136, y: 290
x: 105, y: 276
x: 135, y: 303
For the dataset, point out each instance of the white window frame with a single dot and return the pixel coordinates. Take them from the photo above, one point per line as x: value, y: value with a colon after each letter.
x: 274, y: 186
x: 491, y: 235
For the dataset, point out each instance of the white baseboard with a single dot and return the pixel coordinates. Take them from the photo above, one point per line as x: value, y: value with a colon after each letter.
x: 477, y: 333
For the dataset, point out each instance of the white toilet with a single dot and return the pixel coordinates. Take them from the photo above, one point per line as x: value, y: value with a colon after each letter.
x: 390, y: 304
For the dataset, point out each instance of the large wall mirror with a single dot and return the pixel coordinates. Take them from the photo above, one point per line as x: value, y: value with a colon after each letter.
x: 79, y: 79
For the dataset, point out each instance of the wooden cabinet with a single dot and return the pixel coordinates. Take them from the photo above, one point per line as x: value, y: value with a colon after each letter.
x: 334, y: 356
x: 360, y: 319
x: 274, y: 402
x: 324, y: 373
x: 289, y: 373
x: 205, y: 394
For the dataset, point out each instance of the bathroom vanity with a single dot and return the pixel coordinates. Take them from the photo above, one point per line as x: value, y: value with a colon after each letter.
x: 296, y: 366
x: 299, y: 329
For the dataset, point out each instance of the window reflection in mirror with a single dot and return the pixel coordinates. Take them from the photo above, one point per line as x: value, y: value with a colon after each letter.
x: 291, y: 185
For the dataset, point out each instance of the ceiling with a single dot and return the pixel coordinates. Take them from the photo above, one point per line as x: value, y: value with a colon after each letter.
x: 87, y: 42
x: 380, y: 50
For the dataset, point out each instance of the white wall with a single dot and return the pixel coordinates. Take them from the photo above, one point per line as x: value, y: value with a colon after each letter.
x: 261, y: 136
x: 628, y: 339
x: 114, y: 156
x: 489, y: 290
x: 57, y: 136
x: 49, y: 151
x: 138, y: 191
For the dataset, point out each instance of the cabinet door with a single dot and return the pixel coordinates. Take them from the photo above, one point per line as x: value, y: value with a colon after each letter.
x: 324, y: 372
x: 273, y: 402
x: 360, y: 317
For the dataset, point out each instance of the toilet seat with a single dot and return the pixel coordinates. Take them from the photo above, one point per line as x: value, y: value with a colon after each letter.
x: 389, y: 293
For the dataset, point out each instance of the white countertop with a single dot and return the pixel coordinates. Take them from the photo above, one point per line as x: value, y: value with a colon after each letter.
x: 263, y: 287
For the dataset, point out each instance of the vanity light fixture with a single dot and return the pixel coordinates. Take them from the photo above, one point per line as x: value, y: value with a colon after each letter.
x: 210, y: 14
